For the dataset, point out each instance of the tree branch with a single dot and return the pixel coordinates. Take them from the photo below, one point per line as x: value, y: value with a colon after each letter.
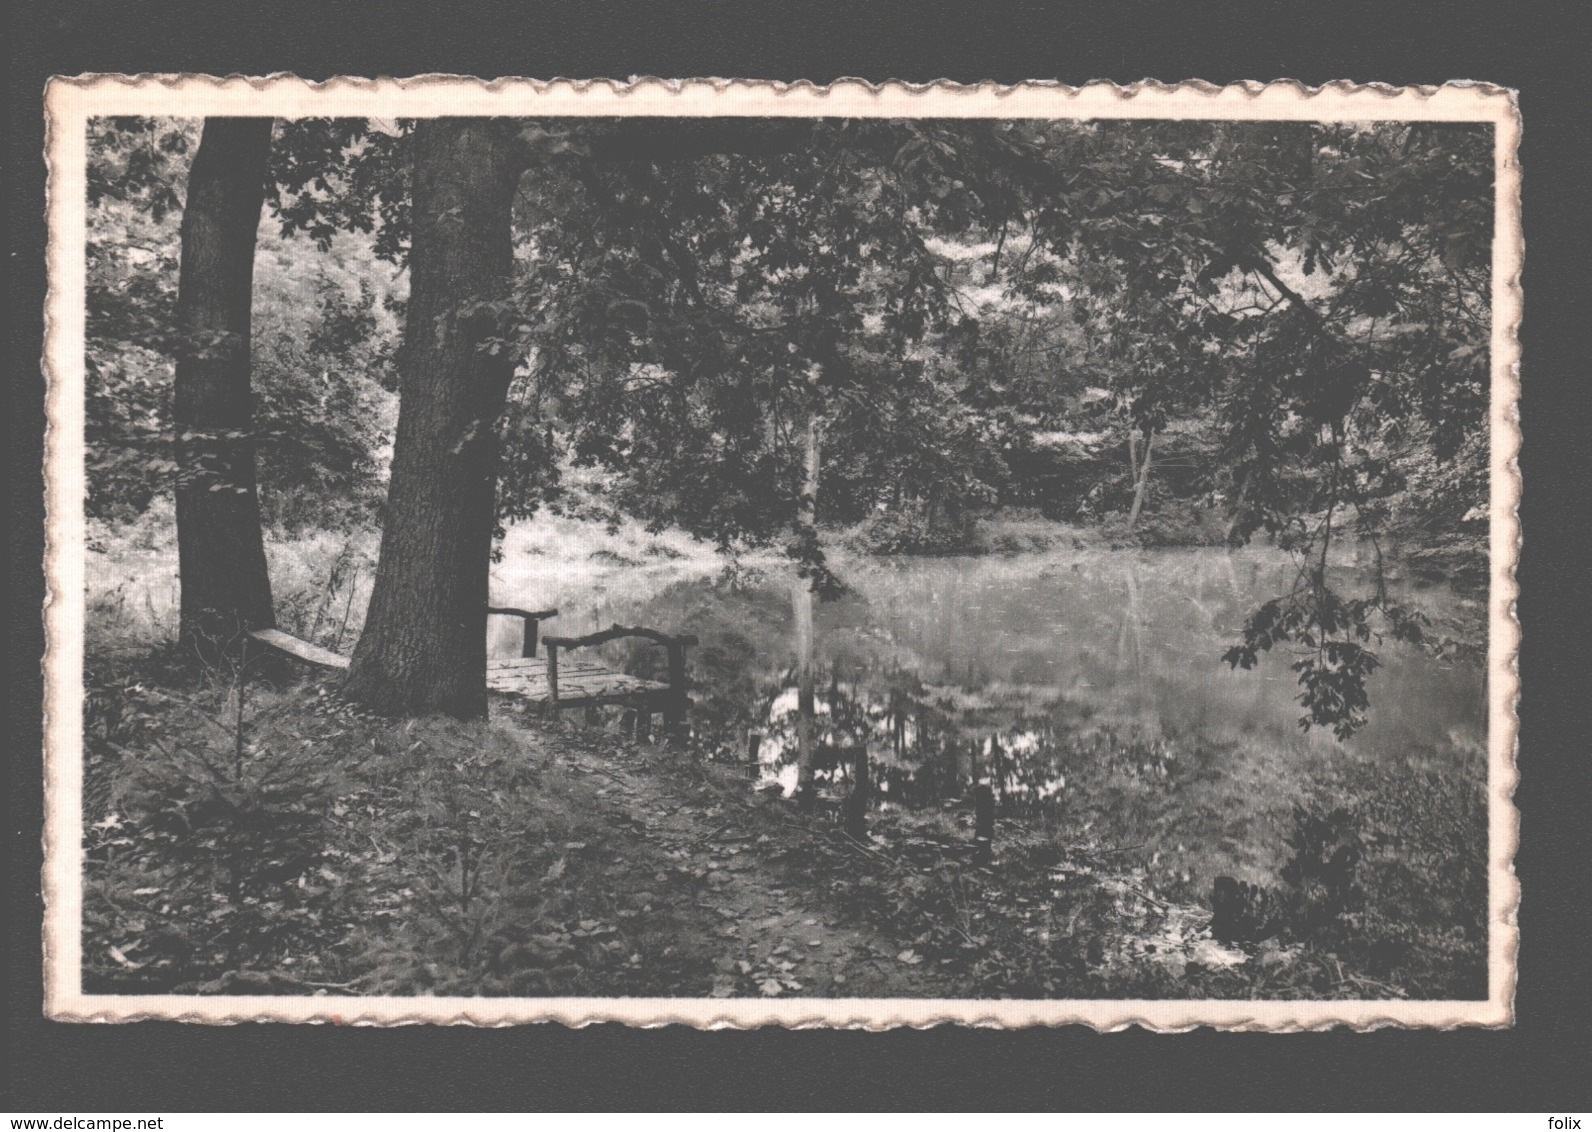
x: 1268, y: 273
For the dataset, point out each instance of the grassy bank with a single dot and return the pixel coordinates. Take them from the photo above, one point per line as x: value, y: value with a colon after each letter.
x: 321, y: 579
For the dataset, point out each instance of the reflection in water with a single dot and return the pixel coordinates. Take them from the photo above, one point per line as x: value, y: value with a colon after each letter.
x: 1083, y: 685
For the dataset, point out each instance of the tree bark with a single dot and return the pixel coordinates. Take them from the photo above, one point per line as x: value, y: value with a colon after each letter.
x: 423, y: 650
x: 861, y: 794
x: 226, y: 591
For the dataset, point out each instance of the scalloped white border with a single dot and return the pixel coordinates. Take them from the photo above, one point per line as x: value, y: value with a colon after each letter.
x: 69, y: 102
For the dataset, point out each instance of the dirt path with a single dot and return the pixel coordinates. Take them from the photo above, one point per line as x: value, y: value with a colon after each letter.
x: 734, y: 876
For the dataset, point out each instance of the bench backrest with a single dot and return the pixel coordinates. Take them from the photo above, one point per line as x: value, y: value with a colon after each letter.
x: 674, y: 644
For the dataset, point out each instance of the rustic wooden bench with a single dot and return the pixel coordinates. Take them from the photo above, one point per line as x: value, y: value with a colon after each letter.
x: 554, y: 684
x: 302, y: 650
x: 550, y: 684
x: 326, y: 658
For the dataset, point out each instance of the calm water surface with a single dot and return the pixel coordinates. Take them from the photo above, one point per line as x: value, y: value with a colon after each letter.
x: 1086, y: 687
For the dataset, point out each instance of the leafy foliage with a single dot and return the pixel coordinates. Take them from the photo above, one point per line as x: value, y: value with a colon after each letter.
x: 1334, y: 632
x: 335, y: 176
x: 1307, y: 302
x: 325, y: 326
x: 1293, y: 290
x: 324, y: 401
x: 344, y: 854
x: 135, y: 171
x: 1326, y: 851
x: 724, y: 304
x: 917, y: 530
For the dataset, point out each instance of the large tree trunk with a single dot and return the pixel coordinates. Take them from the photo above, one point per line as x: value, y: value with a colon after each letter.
x: 220, y: 553
x: 423, y: 649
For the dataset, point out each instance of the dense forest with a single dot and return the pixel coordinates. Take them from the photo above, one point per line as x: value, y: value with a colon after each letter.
x: 760, y: 380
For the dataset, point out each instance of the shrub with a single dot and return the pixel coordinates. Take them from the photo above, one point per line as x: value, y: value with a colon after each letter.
x: 241, y: 840
x: 472, y: 841
x: 209, y: 850
x: 1321, y: 870
x: 911, y: 530
x: 1391, y: 891
x: 1424, y: 875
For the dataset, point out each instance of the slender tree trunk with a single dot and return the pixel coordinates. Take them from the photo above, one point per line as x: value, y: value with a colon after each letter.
x: 802, y: 607
x: 220, y: 552
x: 423, y: 649
x: 1237, y: 512
x: 983, y: 824
x: 861, y: 794
x: 1144, y: 480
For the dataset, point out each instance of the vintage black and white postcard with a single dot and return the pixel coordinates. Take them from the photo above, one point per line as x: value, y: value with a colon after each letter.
x: 745, y: 554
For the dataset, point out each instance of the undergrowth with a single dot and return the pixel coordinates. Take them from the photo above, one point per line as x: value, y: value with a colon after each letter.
x: 241, y: 839
x: 1065, y: 917
x: 278, y: 842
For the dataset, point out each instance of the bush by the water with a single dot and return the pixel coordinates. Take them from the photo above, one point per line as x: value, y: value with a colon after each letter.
x: 914, y: 529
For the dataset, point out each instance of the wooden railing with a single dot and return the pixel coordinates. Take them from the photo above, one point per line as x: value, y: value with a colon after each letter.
x: 675, y: 702
x: 532, y: 620
x: 673, y: 699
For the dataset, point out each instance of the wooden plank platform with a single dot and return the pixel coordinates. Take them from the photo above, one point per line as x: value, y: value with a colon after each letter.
x: 580, y: 683
x: 305, y: 651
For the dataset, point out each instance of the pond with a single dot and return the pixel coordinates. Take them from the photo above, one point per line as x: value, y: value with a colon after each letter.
x: 1086, y: 686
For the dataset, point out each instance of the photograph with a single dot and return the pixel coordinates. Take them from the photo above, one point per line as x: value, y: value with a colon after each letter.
x: 739, y: 553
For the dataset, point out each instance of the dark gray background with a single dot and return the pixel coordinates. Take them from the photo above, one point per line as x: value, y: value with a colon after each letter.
x: 1539, y: 48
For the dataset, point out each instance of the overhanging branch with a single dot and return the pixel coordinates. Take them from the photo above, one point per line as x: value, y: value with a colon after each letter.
x: 656, y: 140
